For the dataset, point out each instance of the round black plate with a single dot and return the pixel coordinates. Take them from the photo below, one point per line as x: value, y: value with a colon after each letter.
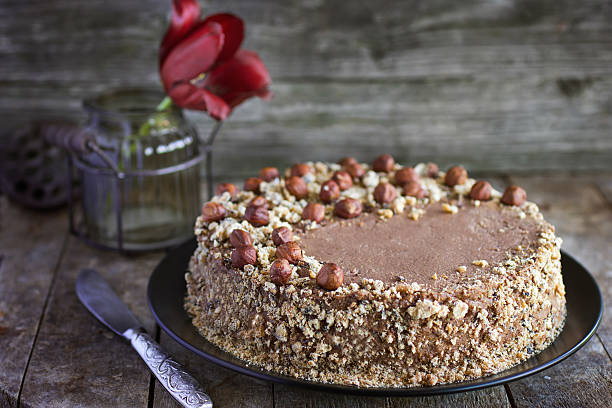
x: 167, y: 290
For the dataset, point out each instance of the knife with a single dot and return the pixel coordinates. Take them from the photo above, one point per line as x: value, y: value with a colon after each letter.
x: 104, y: 303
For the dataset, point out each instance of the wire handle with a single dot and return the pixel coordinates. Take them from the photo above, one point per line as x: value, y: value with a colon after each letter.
x: 70, y: 137
x: 76, y: 140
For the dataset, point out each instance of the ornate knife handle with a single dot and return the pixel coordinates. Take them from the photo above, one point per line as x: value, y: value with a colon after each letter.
x: 179, y: 383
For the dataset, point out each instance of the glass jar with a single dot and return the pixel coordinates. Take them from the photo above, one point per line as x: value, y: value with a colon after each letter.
x: 141, y: 188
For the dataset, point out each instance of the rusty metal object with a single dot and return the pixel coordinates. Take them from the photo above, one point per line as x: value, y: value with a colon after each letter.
x: 33, y: 169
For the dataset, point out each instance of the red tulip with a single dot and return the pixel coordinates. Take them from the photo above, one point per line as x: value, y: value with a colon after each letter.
x: 201, y: 65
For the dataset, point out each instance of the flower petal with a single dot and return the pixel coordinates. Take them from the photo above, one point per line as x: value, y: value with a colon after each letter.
x: 193, y: 55
x: 233, y: 29
x: 240, y: 78
x: 187, y: 95
x: 185, y: 14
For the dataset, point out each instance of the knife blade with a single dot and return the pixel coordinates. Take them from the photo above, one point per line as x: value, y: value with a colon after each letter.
x: 104, y: 303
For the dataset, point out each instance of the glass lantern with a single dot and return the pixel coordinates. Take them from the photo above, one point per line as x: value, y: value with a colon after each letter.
x: 140, y: 178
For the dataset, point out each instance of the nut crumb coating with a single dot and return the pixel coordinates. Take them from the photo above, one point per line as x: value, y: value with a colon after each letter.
x: 373, y: 333
x: 377, y: 335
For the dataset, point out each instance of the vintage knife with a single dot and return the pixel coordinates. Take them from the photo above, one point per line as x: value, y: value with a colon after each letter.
x: 104, y: 303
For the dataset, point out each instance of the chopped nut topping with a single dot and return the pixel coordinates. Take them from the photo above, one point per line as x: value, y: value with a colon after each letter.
x: 450, y: 208
x: 416, y: 213
x: 385, y: 213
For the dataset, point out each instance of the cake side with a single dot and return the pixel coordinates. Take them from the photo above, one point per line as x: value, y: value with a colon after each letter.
x: 375, y: 332
x: 394, y: 336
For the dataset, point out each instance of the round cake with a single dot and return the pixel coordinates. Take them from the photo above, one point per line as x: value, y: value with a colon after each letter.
x: 375, y: 275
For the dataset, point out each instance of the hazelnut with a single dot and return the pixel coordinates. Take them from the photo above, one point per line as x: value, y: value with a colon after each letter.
x: 329, y: 191
x: 384, y: 193
x: 383, y: 163
x: 330, y: 276
x: 343, y: 179
x: 481, y: 190
x: 239, y: 238
x: 455, y: 175
x: 257, y: 215
x: 314, y: 212
x: 405, y: 175
x: 356, y: 170
x: 300, y: 170
x: 244, y: 255
x: 347, y: 208
x: 252, y: 184
x: 281, y: 235
x: 514, y: 195
x: 212, y: 211
x: 259, y: 201
x: 346, y: 161
x: 414, y: 189
x: 280, y: 272
x: 268, y: 173
x: 227, y: 187
x: 290, y: 251
x: 432, y: 170
x: 296, y: 186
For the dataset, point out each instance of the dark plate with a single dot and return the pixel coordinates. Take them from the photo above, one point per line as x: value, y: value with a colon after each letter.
x: 167, y: 289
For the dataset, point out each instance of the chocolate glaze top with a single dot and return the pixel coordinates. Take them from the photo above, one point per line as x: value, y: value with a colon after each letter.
x: 427, y: 251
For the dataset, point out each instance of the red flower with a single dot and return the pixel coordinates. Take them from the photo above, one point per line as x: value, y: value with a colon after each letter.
x: 192, y: 48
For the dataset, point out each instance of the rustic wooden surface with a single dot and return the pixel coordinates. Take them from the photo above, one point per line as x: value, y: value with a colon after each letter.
x: 496, y: 85
x: 31, y: 245
x: 54, y: 354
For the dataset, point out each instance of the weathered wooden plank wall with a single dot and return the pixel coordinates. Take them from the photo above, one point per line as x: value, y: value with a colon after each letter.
x: 515, y: 85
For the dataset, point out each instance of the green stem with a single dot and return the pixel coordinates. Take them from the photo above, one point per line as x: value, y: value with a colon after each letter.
x: 145, y: 128
x: 164, y: 104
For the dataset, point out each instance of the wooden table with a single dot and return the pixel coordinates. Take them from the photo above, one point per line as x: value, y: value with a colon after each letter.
x: 54, y: 354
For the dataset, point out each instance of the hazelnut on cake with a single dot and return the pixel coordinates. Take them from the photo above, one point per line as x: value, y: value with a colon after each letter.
x: 375, y: 275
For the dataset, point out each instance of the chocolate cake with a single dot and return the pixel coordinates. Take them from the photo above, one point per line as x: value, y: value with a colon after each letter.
x: 375, y: 275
